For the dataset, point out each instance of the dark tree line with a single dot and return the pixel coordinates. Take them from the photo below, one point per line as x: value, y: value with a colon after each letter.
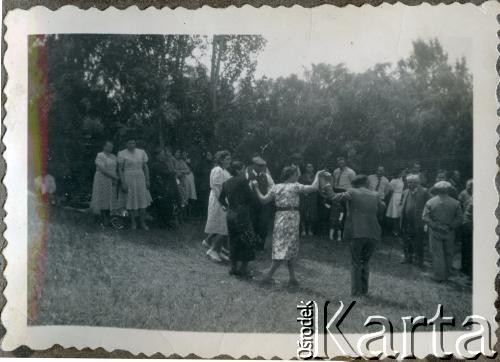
x: 161, y: 89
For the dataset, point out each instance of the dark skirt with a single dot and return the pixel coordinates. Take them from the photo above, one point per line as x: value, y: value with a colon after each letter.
x: 242, y: 238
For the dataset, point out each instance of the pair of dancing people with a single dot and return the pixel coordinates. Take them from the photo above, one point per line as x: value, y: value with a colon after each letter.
x: 237, y: 196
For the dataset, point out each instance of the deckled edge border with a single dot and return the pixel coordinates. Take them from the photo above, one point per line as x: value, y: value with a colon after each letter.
x: 8, y: 5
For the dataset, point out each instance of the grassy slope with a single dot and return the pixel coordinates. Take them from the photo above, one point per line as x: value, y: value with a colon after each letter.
x: 161, y: 280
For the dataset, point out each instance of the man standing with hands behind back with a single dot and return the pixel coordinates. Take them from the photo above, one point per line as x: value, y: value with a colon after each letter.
x: 411, y: 224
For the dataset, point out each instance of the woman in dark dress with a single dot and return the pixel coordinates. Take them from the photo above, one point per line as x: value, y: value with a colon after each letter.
x: 236, y: 196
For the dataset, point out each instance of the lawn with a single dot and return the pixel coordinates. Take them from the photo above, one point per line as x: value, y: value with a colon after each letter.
x: 161, y: 279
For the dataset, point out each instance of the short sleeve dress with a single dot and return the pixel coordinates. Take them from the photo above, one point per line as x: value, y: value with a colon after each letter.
x: 287, y: 220
x: 104, y: 193
x: 216, y: 218
x: 394, y: 208
x: 138, y: 196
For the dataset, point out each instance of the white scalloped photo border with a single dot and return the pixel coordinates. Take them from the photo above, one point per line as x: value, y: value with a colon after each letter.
x: 246, y: 20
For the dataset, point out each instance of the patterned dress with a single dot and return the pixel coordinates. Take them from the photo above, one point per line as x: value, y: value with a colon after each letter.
x: 137, y: 196
x: 287, y: 220
x: 216, y: 218
x: 104, y: 193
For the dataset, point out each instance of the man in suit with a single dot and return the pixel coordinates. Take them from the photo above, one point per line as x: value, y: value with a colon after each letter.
x: 362, y: 229
x: 411, y: 225
x: 260, y: 214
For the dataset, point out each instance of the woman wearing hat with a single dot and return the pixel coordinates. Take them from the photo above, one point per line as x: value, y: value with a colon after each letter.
x: 286, y: 197
x: 134, y: 176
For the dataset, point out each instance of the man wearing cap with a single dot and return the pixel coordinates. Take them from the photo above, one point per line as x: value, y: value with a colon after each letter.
x: 443, y: 215
x: 412, y: 228
x: 260, y: 214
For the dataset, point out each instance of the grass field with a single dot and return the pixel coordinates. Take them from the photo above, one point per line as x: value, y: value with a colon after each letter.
x: 160, y: 279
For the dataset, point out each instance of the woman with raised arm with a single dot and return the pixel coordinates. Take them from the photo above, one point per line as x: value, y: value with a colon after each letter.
x: 286, y: 197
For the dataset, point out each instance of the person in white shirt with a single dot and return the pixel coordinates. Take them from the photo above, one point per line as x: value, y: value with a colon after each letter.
x: 260, y: 214
x: 343, y: 175
x: 379, y: 183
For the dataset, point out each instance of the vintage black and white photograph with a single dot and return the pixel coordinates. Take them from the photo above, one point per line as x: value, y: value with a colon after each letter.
x: 212, y: 182
x: 188, y: 175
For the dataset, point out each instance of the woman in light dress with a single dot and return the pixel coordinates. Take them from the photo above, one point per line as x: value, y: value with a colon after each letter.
x: 190, y: 182
x: 286, y: 197
x: 185, y: 177
x: 216, y: 226
x: 104, y: 189
x: 393, y: 211
x: 134, y: 176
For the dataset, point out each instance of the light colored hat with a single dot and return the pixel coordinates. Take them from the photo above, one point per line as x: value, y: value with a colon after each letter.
x: 442, y: 185
x: 259, y: 161
x: 413, y: 177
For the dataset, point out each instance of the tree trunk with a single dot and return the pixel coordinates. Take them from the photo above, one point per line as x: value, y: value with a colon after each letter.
x: 214, y: 71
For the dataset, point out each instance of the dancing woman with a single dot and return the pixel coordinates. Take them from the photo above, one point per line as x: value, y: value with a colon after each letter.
x: 236, y: 196
x: 216, y: 226
x: 286, y: 197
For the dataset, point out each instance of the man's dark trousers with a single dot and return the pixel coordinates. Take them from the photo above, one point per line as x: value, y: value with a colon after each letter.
x: 413, y: 240
x: 261, y: 217
x: 361, y: 251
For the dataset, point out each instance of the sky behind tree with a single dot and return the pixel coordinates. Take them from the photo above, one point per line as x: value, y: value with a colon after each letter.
x: 360, y: 46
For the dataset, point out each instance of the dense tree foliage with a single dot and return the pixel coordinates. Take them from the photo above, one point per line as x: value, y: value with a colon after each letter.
x: 199, y: 93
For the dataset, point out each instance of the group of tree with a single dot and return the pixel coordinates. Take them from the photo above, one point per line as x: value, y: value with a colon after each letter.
x: 200, y: 94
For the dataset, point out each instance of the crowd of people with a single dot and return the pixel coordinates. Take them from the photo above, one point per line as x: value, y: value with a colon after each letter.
x: 339, y: 204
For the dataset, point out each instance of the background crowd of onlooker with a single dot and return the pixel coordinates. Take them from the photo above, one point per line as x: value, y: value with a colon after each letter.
x: 427, y: 216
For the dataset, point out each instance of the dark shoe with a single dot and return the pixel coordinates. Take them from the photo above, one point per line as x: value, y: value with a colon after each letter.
x: 234, y: 272
x: 294, y: 283
x: 246, y: 275
x: 266, y: 281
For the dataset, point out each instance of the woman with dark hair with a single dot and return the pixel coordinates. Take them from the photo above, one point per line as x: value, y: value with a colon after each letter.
x: 104, y: 193
x: 190, y: 182
x: 216, y: 226
x: 236, y: 196
x: 286, y: 197
x: 134, y: 175
x: 393, y: 212
x: 182, y: 170
x: 163, y: 188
